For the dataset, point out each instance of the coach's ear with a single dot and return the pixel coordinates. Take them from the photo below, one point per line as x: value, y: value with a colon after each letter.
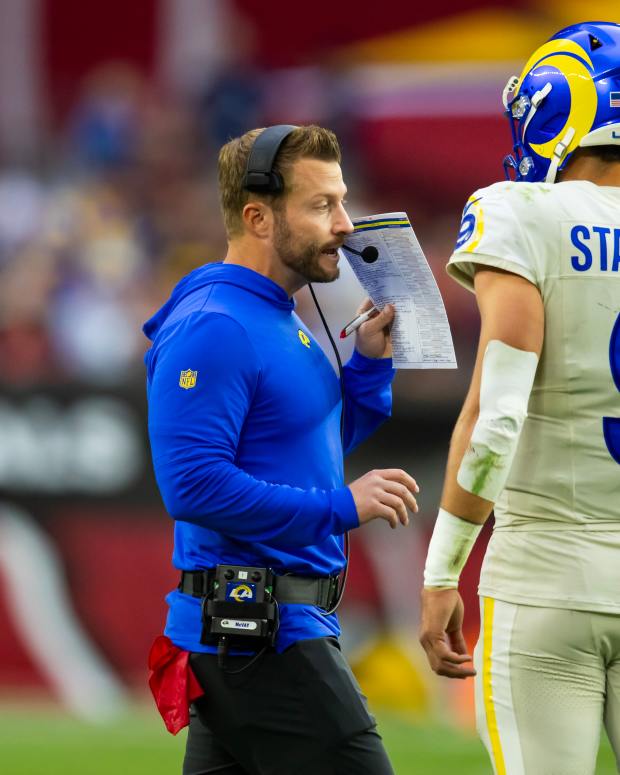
x: 258, y: 220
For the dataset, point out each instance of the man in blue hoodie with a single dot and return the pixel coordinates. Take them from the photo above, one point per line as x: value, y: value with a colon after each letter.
x: 244, y: 422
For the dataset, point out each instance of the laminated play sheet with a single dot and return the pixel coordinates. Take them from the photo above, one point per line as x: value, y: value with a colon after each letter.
x: 387, y: 259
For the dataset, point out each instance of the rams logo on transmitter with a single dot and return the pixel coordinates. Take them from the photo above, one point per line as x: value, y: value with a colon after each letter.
x: 188, y: 379
x: 240, y: 593
x: 303, y: 338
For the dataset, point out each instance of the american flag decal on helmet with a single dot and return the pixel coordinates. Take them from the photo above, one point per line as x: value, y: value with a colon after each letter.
x: 614, y: 99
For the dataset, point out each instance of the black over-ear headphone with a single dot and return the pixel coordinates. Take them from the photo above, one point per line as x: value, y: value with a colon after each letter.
x: 260, y: 176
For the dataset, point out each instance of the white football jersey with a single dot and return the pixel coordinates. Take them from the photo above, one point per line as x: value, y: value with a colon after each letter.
x: 557, y: 536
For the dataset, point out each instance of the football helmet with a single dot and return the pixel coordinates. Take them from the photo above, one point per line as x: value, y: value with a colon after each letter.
x: 568, y: 96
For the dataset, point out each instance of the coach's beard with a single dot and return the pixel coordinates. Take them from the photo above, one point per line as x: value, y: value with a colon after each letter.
x: 305, y: 259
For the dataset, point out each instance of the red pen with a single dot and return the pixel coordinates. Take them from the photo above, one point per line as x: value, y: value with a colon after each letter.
x: 357, y: 322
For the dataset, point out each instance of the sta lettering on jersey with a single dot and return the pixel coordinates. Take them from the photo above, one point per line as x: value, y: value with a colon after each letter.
x: 597, y: 248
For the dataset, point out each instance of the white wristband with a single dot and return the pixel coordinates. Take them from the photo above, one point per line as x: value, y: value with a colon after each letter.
x: 450, y: 546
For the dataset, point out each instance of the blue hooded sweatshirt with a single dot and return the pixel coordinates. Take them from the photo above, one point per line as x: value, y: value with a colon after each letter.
x: 244, y: 423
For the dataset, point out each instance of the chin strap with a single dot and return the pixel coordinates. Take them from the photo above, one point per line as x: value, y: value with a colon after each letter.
x: 558, y: 154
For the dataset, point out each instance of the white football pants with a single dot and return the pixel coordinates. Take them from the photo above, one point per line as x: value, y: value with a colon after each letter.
x: 548, y: 678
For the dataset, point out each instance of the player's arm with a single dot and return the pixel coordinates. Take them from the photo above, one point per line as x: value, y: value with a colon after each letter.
x: 482, y: 448
x: 511, y: 314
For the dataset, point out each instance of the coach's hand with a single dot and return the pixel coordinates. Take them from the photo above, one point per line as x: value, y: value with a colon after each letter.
x: 372, y: 338
x: 442, y: 634
x: 385, y: 494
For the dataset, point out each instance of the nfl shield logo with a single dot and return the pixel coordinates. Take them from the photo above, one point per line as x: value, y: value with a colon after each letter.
x: 187, y: 379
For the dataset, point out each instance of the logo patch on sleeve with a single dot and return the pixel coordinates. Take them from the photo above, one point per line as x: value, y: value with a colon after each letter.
x: 188, y: 379
x: 472, y: 226
x: 303, y: 338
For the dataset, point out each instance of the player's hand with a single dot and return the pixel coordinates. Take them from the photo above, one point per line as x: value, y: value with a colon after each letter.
x: 372, y: 338
x: 441, y: 633
x: 385, y: 494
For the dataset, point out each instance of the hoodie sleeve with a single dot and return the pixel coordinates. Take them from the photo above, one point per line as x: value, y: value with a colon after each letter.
x: 368, y: 397
x: 202, y: 380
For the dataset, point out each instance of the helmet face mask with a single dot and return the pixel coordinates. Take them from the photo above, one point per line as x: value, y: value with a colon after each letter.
x: 567, y: 96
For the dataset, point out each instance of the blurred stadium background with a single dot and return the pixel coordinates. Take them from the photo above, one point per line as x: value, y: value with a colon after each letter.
x: 111, y: 115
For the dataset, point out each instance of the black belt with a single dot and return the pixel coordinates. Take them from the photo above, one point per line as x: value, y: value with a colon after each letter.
x: 307, y: 590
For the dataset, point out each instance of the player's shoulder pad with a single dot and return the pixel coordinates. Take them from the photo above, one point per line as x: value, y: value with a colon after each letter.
x: 501, y: 207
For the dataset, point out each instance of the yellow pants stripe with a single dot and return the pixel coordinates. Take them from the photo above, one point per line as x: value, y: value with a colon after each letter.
x: 487, y: 690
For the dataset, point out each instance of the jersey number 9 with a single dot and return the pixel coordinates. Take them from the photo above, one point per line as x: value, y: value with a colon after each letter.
x: 611, y: 425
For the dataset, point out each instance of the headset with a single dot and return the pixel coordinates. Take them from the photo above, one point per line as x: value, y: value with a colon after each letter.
x: 261, y: 178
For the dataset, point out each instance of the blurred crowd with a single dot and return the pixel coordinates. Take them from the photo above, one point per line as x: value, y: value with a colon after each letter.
x: 121, y: 201
x: 93, y: 237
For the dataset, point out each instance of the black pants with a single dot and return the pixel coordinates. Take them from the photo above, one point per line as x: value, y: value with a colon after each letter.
x: 296, y: 713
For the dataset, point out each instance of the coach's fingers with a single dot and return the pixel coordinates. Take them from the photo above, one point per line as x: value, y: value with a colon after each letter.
x: 388, y: 514
x: 365, y: 306
x: 402, y: 492
x: 396, y: 503
x: 380, y: 321
x: 398, y: 475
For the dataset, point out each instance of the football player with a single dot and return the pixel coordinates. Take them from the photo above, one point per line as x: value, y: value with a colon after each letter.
x: 538, y: 438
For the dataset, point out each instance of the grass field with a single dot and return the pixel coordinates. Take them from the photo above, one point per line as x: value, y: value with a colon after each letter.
x: 39, y: 742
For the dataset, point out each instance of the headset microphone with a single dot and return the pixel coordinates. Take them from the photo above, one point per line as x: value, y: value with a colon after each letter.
x: 368, y: 255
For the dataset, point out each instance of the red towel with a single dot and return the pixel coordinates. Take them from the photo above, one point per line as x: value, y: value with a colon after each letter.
x: 172, y: 682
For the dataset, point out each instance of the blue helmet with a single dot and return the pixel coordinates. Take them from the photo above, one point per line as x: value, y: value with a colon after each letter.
x: 568, y: 96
